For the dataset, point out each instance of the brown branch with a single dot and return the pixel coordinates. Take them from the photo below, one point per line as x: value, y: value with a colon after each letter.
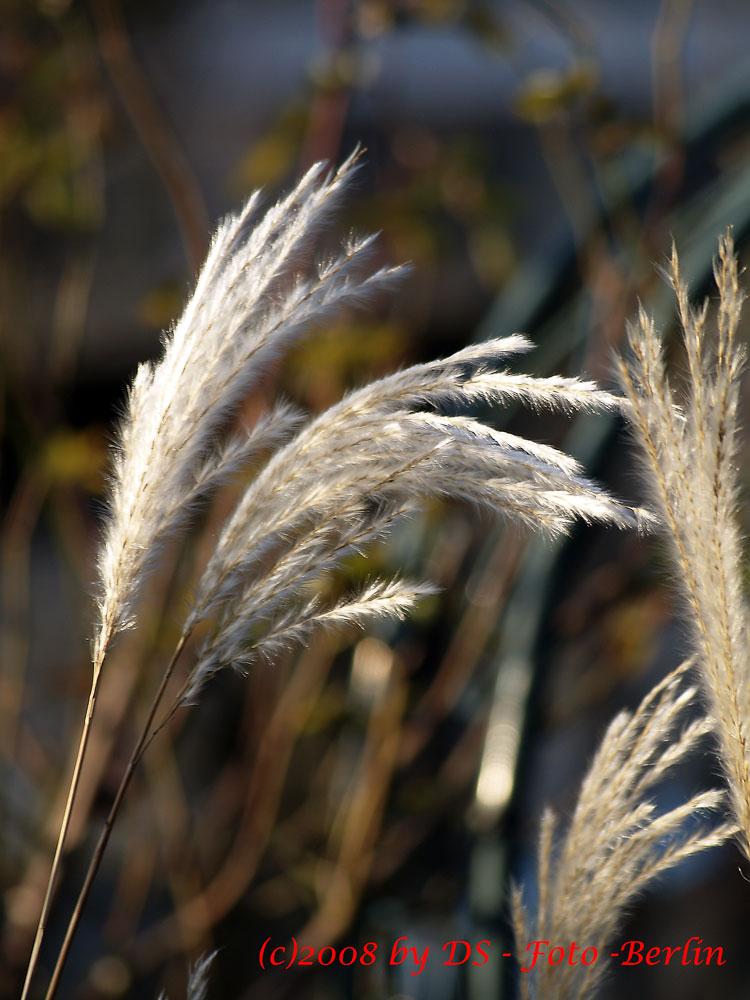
x: 158, y: 140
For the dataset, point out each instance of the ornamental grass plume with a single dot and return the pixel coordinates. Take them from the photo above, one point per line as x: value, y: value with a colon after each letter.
x: 198, y: 979
x: 689, y: 455
x: 250, y: 304
x: 617, y: 842
x: 365, y: 463
x: 329, y: 488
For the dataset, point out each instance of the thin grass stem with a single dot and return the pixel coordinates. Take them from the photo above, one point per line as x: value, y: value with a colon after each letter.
x: 143, y: 741
x: 62, y: 835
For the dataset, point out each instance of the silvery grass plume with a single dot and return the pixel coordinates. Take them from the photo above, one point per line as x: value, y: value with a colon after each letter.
x: 198, y: 979
x: 249, y: 305
x: 351, y: 473
x: 251, y: 301
x: 342, y: 480
x: 336, y: 485
x: 617, y: 842
x: 689, y: 456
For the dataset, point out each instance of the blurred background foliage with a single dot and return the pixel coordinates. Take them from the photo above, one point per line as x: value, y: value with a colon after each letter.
x: 532, y: 159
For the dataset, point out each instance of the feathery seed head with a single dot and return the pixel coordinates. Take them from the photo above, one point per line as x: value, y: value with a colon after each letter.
x: 334, y: 485
x: 248, y: 306
x: 617, y: 843
x: 689, y: 455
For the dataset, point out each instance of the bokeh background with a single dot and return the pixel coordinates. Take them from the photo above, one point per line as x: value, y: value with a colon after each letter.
x: 533, y: 160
